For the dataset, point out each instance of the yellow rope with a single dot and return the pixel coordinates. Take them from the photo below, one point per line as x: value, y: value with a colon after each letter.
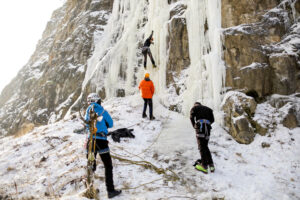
x: 148, y: 165
x: 132, y: 188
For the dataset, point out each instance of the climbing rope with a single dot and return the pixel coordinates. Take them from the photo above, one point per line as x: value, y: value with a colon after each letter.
x: 91, y: 192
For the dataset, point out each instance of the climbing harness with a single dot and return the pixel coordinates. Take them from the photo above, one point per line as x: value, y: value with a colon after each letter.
x: 203, y: 124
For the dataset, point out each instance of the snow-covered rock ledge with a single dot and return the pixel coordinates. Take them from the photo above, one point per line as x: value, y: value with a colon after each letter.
x: 244, y: 117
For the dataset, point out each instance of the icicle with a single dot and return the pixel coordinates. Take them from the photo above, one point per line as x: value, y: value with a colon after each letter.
x: 115, y: 59
x: 207, y: 71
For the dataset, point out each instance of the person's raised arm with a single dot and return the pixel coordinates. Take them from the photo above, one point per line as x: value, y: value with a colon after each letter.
x: 149, y: 38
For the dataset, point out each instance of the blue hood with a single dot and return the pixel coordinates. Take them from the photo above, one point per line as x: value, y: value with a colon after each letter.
x: 104, y: 120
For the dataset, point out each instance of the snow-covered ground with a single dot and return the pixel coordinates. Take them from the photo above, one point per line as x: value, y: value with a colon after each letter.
x: 49, y: 162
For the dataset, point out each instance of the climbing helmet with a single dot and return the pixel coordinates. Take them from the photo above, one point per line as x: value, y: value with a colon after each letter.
x: 93, y: 97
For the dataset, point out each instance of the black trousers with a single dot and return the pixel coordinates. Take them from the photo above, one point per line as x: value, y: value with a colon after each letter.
x: 146, y: 51
x: 103, y: 150
x: 206, y: 158
x: 148, y: 102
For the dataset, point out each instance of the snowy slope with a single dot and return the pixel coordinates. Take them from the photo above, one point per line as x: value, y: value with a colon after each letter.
x: 49, y: 162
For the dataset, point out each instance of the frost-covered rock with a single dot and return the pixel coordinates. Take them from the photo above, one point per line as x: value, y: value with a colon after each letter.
x: 244, y: 117
x: 289, y: 107
x: 239, y: 109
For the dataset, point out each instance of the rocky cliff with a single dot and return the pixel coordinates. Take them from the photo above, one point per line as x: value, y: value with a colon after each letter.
x: 261, y: 46
x: 261, y: 42
x: 49, y: 83
x: 262, y: 56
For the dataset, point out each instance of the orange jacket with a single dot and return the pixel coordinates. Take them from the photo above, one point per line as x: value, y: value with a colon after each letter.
x: 147, y: 89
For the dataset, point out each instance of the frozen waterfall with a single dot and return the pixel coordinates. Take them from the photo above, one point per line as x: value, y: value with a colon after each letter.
x: 117, y: 62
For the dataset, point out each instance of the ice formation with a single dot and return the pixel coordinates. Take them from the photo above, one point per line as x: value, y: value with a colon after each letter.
x: 117, y: 59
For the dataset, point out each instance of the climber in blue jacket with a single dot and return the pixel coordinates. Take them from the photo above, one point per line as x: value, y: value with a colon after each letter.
x: 104, y: 121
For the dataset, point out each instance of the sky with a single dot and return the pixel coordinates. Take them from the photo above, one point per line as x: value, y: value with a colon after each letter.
x: 22, y: 25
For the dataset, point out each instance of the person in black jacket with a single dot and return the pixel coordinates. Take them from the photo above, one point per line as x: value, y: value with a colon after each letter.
x: 201, y: 118
x: 146, y: 50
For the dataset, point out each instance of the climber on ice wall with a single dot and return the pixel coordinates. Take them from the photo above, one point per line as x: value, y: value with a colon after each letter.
x: 146, y: 50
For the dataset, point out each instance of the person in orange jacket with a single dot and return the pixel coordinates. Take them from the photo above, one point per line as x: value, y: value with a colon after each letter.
x: 147, y: 89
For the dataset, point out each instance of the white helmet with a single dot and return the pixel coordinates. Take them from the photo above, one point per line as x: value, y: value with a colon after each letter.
x: 93, y: 97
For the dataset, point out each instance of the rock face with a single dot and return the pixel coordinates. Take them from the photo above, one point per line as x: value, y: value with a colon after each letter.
x: 261, y: 41
x: 235, y: 12
x: 262, y: 56
x: 51, y: 81
x: 178, y: 43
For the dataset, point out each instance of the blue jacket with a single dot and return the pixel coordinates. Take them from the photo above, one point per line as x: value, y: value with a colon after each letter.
x: 104, y: 120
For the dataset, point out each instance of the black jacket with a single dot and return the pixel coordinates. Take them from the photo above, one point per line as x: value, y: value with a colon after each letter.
x: 148, y: 42
x: 201, y: 112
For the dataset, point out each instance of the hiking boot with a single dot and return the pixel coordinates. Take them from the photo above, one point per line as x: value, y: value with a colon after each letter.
x: 144, y: 115
x: 211, y: 167
x: 114, y: 193
x: 201, y: 168
x: 152, y: 118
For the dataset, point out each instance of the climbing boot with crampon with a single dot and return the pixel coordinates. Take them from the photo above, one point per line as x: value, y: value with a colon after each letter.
x: 201, y: 168
x: 114, y: 193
